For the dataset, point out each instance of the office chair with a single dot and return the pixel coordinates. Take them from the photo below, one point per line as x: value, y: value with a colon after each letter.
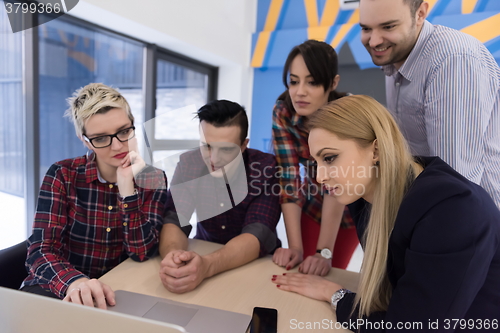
x: 12, y: 270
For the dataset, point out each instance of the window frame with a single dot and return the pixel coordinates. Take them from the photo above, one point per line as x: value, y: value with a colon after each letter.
x: 31, y: 75
x: 194, y: 65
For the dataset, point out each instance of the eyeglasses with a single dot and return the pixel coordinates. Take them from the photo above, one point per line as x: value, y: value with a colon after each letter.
x: 104, y: 141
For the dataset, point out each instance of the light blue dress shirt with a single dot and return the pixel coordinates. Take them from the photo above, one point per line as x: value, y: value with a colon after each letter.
x: 445, y: 98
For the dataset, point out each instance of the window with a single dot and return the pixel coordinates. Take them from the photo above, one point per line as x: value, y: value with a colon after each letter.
x: 181, y: 89
x: 72, y: 56
x: 67, y: 54
x: 12, y: 152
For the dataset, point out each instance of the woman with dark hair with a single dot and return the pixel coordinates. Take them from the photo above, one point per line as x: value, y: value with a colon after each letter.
x: 311, y: 77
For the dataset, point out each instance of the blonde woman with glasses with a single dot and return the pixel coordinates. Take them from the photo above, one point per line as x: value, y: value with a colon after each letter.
x: 96, y: 210
x: 430, y: 236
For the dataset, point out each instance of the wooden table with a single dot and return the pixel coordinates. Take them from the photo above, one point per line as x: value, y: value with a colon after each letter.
x: 237, y: 290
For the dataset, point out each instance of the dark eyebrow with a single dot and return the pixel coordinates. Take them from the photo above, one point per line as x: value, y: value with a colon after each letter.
x: 389, y: 22
x: 217, y: 146
x: 298, y: 76
x: 381, y: 24
x: 118, y: 130
x: 318, y: 154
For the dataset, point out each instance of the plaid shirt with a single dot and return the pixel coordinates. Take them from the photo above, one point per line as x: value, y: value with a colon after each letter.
x: 298, y: 184
x: 83, y: 228
x: 221, y: 217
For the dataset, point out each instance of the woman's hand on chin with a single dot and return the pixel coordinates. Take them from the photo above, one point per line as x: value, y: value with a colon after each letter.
x: 130, y: 166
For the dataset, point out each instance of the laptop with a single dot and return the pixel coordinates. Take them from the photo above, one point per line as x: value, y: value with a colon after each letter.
x: 194, y: 318
x: 24, y: 312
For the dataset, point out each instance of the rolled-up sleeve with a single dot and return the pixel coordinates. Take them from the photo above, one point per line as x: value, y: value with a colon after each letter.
x: 264, y: 211
x: 287, y: 158
x: 142, y: 215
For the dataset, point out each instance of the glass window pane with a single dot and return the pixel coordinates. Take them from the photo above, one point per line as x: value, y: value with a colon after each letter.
x: 12, y: 154
x: 178, y: 87
x: 167, y: 161
x: 72, y: 56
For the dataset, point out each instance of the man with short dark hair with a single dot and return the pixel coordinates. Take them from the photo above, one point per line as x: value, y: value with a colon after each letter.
x: 233, y: 190
x: 442, y: 87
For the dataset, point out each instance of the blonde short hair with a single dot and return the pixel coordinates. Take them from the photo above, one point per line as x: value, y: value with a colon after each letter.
x: 92, y: 99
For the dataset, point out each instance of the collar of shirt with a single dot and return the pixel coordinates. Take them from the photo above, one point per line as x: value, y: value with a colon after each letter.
x: 240, y: 171
x: 91, y: 170
x: 410, y: 65
x: 294, y: 118
x: 299, y: 121
x: 102, y: 180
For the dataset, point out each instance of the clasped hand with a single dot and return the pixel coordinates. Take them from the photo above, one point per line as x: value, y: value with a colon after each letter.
x: 182, y: 271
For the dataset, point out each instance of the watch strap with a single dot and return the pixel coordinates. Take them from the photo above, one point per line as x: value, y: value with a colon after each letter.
x: 337, y: 296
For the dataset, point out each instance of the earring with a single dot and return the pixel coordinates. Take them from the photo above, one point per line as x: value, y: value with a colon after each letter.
x: 89, y: 154
x: 377, y: 163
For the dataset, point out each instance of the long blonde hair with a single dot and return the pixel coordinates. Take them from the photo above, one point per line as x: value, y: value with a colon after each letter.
x: 363, y: 119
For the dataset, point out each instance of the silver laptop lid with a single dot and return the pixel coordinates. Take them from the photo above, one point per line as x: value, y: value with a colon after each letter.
x: 24, y: 312
x: 194, y: 318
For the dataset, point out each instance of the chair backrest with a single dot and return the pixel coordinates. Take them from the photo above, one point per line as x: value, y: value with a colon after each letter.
x: 12, y: 269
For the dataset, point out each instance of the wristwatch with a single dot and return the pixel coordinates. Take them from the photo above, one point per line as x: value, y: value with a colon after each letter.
x: 325, y: 253
x: 337, y: 296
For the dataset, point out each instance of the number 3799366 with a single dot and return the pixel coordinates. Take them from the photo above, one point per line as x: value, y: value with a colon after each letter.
x: 471, y: 324
x: 33, y: 7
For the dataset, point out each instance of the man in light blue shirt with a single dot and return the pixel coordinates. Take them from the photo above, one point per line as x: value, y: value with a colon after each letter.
x: 442, y: 87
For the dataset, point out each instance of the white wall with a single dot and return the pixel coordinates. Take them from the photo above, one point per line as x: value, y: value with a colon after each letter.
x: 217, y: 32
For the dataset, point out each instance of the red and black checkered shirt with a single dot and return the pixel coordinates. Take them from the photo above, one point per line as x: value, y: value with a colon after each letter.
x: 252, y: 208
x: 83, y: 228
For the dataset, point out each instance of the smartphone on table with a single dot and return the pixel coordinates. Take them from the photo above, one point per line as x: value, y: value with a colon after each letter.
x: 264, y: 320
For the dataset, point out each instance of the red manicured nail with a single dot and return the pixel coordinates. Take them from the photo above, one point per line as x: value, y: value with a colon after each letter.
x: 273, y: 279
x: 288, y: 268
x: 275, y: 276
x: 284, y: 273
x: 278, y: 285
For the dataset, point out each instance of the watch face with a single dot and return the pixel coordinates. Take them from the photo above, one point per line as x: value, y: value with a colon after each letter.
x: 337, y: 296
x: 326, y: 253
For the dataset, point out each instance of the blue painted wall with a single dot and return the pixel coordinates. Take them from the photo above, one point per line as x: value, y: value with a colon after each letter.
x: 358, y: 74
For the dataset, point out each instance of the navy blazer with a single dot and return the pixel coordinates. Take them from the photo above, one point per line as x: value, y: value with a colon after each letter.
x: 444, y: 256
